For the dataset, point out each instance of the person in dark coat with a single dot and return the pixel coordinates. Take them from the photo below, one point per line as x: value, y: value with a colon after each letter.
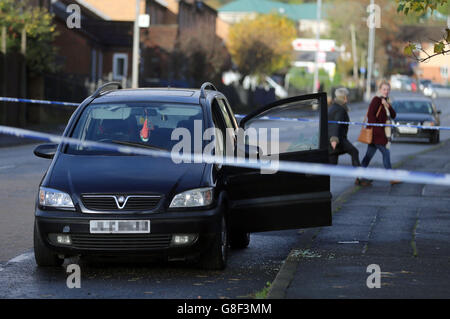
x: 380, y: 110
x: 339, y: 143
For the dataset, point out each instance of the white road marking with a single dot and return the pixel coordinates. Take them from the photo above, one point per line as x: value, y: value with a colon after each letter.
x: 21, y: 258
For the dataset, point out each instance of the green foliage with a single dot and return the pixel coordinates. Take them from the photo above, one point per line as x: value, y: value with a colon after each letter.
x: 302, y: 80
x: 40, y: 32
x: 419, y: 6
x: 262, y: 294
x: 262, y: 46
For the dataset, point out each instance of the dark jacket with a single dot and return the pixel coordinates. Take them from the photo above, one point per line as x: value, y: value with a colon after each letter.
x: 379, y: 136
x: 337, y: 112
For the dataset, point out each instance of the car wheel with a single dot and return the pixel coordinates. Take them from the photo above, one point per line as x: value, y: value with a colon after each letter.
x: 44, y: 257
x: 215, y: 258
x: 434, y: 139
x: 239, y: 240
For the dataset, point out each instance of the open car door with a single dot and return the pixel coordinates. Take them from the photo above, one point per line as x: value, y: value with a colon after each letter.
x: 283, y: 200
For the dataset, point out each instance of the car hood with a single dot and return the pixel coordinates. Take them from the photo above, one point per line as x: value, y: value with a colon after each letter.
x: 81, y: 174
x: 413, y: 117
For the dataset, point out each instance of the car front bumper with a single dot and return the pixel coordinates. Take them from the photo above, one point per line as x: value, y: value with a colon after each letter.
x: 163, y: 226
x: 421, y: 133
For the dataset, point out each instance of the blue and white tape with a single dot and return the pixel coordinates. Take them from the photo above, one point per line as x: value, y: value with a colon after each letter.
x: 426, y: 127
x: 17, y: 100
x: 12, y: 99
x: 285, y: 166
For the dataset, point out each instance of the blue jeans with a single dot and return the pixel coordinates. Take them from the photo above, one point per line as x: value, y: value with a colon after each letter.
x: 371, y: 149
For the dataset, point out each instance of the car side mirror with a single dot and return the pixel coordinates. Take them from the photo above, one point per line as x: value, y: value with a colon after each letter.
x: 46, y: 150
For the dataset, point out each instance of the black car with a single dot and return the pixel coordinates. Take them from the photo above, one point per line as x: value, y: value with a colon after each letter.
x: 416, y: 111
x: 104, y: 202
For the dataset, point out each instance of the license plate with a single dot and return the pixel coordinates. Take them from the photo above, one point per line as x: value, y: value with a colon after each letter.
x: 119, y: 226
x: 407, y: 130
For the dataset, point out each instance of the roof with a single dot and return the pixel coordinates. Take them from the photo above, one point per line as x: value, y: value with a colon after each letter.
x: 110, y: 33
x: 190, y: 96
x: 304, y: 11
x: 116, y: 10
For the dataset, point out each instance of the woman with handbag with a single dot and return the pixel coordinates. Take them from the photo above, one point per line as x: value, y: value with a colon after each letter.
x: 380, y: 111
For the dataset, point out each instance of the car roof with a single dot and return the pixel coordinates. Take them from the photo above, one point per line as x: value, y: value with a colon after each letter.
x: 188, y: 96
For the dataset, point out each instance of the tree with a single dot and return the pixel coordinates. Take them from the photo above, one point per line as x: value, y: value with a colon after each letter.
x: 420, y: 7
x: 343, y: 13
x: 40, y: 33
x: 200, y: 56
x: 263, y: 45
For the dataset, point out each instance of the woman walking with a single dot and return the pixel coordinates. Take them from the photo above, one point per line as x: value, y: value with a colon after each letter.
x: 380, y: 111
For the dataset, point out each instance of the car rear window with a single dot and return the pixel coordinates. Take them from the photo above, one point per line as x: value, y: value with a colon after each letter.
x: 133, y: 124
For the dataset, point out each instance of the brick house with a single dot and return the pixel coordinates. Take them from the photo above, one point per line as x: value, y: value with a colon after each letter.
x: 102, y: 48
x: 99, y: 50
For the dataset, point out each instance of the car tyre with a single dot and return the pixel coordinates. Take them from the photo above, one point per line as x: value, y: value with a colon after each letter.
x: 44, y: 257
x: 239, y: 240
x: 434, y: 139
x: 215, y: 258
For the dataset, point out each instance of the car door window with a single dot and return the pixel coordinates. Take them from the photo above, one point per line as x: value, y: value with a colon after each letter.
x: 218, y: 124
x: 297, y: 124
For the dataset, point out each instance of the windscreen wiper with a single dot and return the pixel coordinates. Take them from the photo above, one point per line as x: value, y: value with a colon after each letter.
x: 137, y: 144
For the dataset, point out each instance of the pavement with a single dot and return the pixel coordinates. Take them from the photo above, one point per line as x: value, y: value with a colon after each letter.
x: 403, y: 229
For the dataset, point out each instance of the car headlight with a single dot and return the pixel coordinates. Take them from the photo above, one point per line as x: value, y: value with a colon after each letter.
x: 428, y: 123
x: 193, y: 198
x: 53, y: 198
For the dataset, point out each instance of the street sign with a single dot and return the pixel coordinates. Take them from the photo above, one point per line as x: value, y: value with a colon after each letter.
x: 144, y: 21
x: 312, y: 45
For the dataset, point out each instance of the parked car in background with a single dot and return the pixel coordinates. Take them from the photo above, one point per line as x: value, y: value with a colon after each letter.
x: 416, y: 111
x: 423, y: 84
x: 436, y: 90
x: 402, y: 83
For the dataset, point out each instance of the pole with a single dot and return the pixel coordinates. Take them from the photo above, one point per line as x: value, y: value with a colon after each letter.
x: 23, y: 80
x: 355, y: 56
x: 4, y: 76
x: 371, y: 52
x: 316, y: 66
x: 135, y: 71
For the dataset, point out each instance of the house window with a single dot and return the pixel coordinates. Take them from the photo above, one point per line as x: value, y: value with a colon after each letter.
x: 120, y: 66
x: 444, y: 72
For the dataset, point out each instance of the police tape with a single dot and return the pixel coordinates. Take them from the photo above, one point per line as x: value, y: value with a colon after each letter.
x: 284, y: 166
x: 11, y: 99
x: 426, y: 127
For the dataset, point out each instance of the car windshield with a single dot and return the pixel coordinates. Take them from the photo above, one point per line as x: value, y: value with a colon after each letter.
x: 422, y: 107
x: 145, y: 125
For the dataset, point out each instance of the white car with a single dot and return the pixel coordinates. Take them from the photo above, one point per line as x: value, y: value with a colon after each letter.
x: 436, y: 90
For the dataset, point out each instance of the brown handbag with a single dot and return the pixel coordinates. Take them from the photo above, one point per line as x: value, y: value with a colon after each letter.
x: 366, y: 134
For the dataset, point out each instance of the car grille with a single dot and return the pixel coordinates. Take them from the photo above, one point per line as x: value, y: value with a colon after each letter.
x: 120, y: 242
x: 111, y: 203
